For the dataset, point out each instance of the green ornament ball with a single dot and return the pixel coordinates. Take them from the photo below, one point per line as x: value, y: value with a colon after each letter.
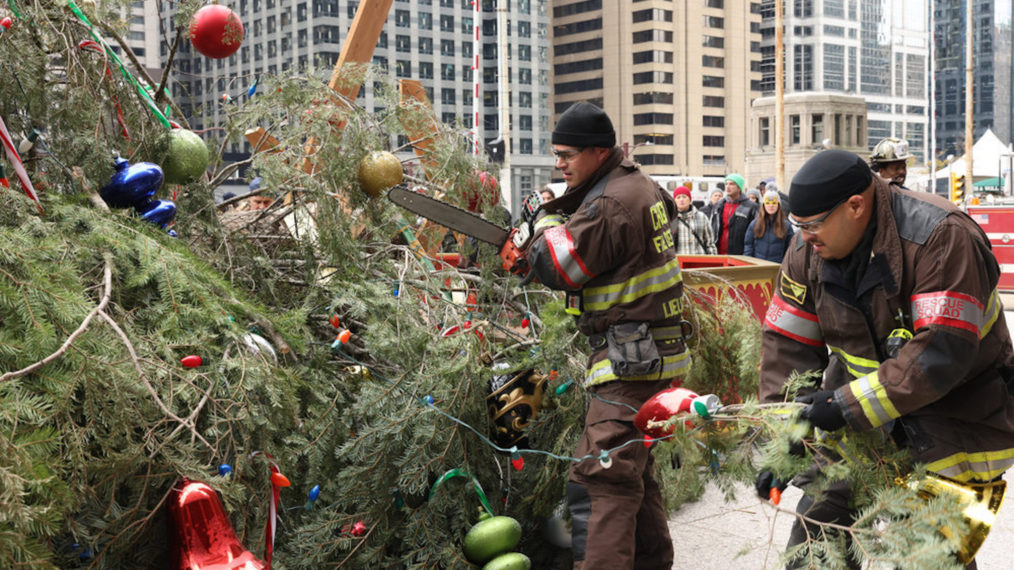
x: 186, y: 158
x: 509, y: 561
x: 490, y: 538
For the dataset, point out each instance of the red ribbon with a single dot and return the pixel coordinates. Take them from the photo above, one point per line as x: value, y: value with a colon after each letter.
x: 277, y: 482
x: 19, y: 167
x: 92, y: 45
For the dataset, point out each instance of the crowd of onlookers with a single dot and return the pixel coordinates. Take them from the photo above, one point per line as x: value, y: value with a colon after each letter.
x: 735, y: 222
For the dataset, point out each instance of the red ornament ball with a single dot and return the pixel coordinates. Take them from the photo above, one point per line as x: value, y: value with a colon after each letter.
x: 192, y: 361
x: 216, y: 31
x: 485, y: 191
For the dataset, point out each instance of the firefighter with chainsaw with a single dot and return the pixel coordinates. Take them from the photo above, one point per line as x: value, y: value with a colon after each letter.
x: 893, y: 296
x: 606, y: 242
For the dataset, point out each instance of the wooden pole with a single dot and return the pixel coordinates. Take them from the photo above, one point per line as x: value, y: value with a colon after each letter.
x: 969, y: 102
x: 779, y: 99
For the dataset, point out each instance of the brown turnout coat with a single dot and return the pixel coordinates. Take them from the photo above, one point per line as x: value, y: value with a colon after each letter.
x: 612, y: 250
x: 931, y: 271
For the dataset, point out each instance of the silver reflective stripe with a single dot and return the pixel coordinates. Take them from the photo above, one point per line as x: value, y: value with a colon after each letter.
x: 564, y: 255
x: 949, y: 308
x: 980, y: 466
x: 651, y: 281
x: 794, y: 323
x: 872, y: 397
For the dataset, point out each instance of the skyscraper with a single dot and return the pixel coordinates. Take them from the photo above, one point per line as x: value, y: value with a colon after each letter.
x: 427, y: 40
x: 676, y: 78
x: 877, y: 49
x: 991, y: 51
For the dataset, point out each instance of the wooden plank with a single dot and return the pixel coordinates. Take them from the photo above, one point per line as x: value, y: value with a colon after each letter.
x: 261, y: 140
x: 416, y: 117
x: 363, y: 36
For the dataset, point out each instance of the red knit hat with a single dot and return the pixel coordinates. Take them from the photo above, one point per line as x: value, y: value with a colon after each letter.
x: 681, y: 190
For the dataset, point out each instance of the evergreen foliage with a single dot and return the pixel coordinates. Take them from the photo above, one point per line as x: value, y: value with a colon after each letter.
x: 101, y: 307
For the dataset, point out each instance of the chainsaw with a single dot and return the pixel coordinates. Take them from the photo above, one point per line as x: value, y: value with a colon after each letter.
x: 510, y: 241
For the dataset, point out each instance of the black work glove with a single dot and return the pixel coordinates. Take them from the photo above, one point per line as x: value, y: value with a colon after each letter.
x: 766, y: 482
x: 823, y: 411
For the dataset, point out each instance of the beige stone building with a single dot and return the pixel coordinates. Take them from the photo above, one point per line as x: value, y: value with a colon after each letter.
x: 677, y: 78
x: 813, y: 122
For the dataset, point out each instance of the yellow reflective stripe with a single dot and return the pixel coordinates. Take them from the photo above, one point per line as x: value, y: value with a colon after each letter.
x: 651, y: 281
x: 872, y: 397
x: 673, y: 365
x: 836, y: 440
x: 548, y: 221
x: 991, y: 314
x: 982, y: 466
x: 857, y: 365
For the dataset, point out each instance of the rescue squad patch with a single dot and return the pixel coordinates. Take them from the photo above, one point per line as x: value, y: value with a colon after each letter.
x: 792, y: 290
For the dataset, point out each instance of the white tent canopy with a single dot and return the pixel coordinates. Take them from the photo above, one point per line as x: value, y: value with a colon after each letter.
x: 990, y: 158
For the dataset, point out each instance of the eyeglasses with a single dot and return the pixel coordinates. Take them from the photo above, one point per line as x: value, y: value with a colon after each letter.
x: 771, y: 201
x: 813, y: 226
x: 566, y: 155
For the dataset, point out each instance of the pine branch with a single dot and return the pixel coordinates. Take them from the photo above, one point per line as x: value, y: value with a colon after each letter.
x: 108, y: 287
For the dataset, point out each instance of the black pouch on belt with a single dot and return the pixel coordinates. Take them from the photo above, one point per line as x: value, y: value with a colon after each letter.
x: 632, y: 350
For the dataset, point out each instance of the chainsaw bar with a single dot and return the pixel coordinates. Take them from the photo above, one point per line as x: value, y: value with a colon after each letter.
x: 447, y: 215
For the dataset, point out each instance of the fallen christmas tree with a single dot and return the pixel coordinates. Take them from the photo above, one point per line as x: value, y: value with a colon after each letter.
x: 324, y: 340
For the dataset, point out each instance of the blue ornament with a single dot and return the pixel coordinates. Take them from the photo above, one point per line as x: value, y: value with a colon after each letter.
x: 158, y: 212
x: 225, y: 470
x: 132, y: 184
x: 135, y: 186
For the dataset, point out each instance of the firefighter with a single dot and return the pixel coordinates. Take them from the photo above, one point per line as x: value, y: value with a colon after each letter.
x: 607, y: 242
x: 889, y: 159
x: 873, y: 262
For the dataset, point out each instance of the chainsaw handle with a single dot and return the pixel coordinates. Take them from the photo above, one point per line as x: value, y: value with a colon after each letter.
x: 514, y: 259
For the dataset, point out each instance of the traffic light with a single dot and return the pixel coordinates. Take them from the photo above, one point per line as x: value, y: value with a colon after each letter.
x: 957, y: 188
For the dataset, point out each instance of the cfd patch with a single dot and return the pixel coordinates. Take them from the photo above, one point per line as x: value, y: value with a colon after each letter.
x: 792, y: 290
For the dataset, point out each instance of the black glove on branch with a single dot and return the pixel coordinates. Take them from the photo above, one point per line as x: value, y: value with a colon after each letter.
x: 766, y: 481
x: 822, y: 412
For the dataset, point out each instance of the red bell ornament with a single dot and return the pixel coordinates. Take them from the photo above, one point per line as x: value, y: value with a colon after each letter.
x: 661, y: 407
x: 201, y: 536
x: 216, y: 31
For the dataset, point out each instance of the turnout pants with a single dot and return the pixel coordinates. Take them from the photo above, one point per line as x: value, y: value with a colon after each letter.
x: 618, y: 518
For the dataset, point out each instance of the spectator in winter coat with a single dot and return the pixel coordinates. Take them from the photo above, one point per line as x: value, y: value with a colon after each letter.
x: 690, y: 227
x: 754, y: 195
x: 731, y: 215
x: 769, y: 235
x: 713, y: 199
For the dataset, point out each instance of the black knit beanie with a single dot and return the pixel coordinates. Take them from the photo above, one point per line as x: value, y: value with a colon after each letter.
x: 829, y: 178
x: 584, y: 124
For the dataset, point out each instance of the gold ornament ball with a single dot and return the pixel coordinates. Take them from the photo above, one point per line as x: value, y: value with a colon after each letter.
x: 379, y: 171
